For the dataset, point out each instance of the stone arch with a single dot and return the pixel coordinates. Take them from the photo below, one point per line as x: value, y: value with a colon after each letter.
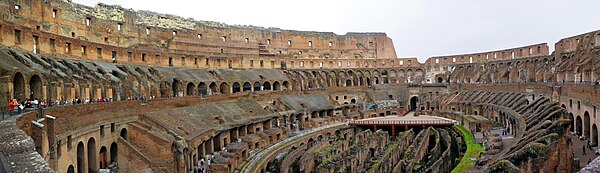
x: 236, y: 88
x: 440, y: 80
x: 80, y: 157
x: 71, y: 169
x: 190, y: 89
x: 414, y: 101
x: 35, y: 85
x: 572, y: 119
x: 212, y: 87
x: 91, y: 153
x: 348, y: 82
x: 114, y: 153
x: 409, y: 76
x: 102, y: 157
x: 19, y: 86
x: 267, y: 86
x: 202, y: 89
x: 286, y: 85
x: 276, y: 86
x: 176, y: 85
x: 578, y: 127
x: 247, y: 87
x: 354, y: 77
x: 418, y: 76
x: 224, y: 88
x: 257, y: 86
x: 586, y: 122
x: 123, y: 133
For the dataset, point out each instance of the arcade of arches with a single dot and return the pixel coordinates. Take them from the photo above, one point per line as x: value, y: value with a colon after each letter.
x: 226, y: 95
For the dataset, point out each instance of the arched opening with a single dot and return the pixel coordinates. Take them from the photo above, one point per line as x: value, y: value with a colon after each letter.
x: 594, y: 135
x: 578, y: 124
x: 102, y: 158
x: 80, y: 157
x: 360, y: 81
x: 236, y: 87
x: 376, y: 80
x: 440, y: 80
x: 586, y: 122
x: 190, y: 89
x: 114, y: 153
x: 276, y: 86
x: 35, y: 85
x: 413, y: 103
x: 212, y: 87
x: 353, y: 101
x: 91, y: 151
x: 123, y: 133
x: 247, y: 87
x: 175, y: 86
x: 202, y: 89
x: 267, y: 86
x: 19, y: 86
x: 286, y: 85
x: 71, y: 169
x: 257, y: 86
x: 572, y: 122
x: 224, y: 88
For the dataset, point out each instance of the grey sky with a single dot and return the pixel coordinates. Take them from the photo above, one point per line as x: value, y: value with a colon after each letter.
x: 419, y: 28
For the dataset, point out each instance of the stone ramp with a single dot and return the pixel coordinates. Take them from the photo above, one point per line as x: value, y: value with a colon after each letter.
x: 19, y: 150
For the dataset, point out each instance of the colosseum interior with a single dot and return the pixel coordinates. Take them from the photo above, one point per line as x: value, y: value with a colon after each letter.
x: 118, y: 90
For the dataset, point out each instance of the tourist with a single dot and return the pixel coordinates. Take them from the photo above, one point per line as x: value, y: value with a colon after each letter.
x: 583, y: 148
x: 20, y: 106
x: 28, y: 104
x: 11, y: 106
x: 43, y: 103
x: 35, y: 102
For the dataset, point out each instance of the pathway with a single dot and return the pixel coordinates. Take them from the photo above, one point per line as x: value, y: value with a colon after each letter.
x: 259, y: 158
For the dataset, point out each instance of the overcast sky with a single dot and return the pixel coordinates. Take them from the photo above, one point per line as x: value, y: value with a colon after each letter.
x: 419, y: 28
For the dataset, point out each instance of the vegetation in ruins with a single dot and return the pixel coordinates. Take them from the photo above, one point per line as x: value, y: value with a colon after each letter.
x: 473, y: 151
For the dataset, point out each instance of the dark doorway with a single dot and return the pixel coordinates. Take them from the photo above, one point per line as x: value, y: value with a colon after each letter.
x: 413, y: 103
x: 19, y: 86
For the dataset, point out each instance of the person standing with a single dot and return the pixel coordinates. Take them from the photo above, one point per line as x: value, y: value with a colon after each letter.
x: 11, y: 106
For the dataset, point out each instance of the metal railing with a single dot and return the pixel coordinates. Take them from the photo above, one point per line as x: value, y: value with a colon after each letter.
x: 5, y: 114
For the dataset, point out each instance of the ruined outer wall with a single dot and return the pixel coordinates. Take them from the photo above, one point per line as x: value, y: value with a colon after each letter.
x: 142, y: 37
x: 578, y: 42
x: 506, y: 54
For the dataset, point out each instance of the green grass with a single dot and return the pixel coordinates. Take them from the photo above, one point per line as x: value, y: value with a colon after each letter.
x: 473, y: 151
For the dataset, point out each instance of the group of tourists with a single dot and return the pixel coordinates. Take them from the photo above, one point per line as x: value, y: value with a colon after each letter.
x: 17, y: 106
x: 202, y: 168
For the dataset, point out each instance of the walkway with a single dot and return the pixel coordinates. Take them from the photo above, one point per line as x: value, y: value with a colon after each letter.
x: 259, y: 158
x: 578, y: 147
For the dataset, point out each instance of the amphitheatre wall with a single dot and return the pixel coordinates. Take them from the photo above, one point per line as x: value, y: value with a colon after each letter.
x: 216, y: 84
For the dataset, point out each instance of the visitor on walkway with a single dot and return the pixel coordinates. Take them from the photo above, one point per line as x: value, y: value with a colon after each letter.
x: 11, y: 107
x: 583, y: 148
